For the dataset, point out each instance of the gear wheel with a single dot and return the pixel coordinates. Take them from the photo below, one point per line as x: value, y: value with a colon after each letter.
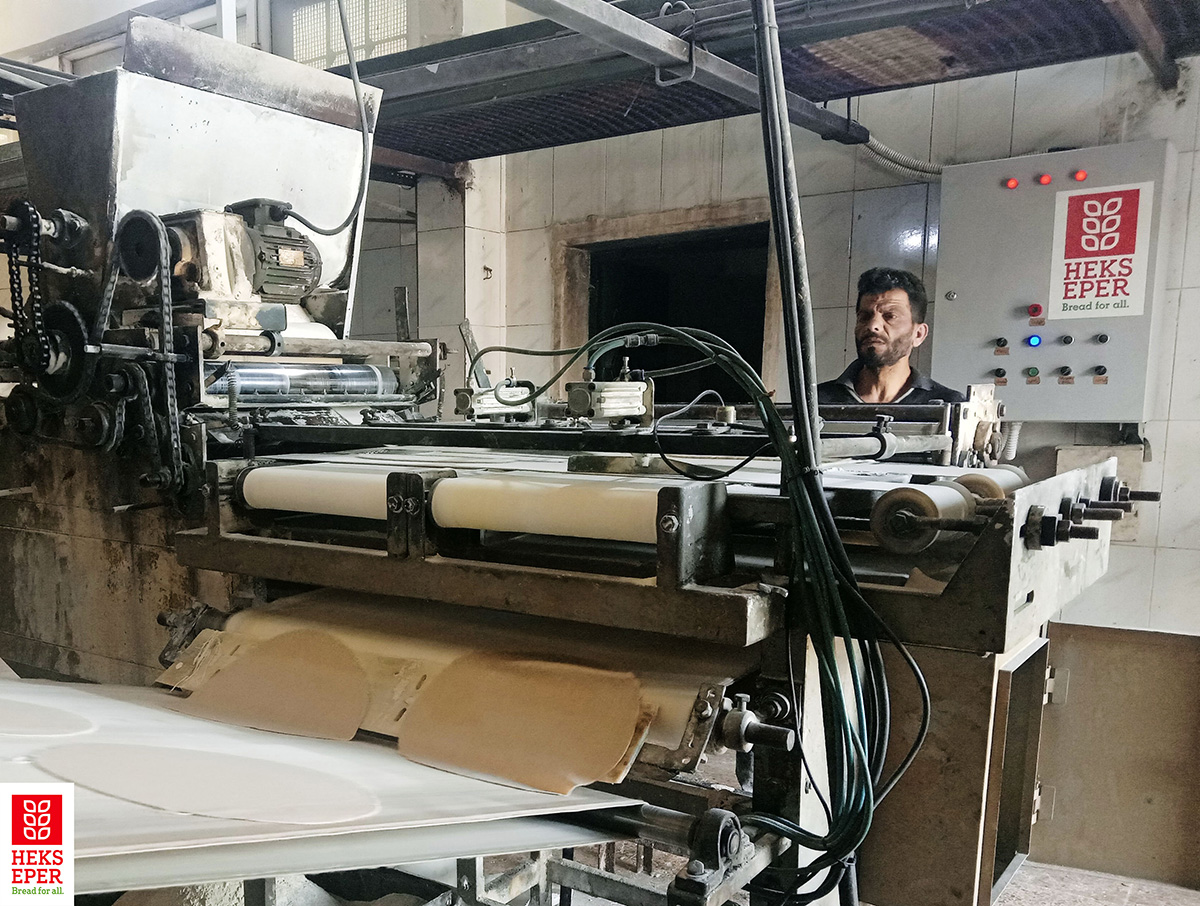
x: 68, y: 342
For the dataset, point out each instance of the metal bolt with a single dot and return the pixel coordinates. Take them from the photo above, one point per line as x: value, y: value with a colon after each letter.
x: 411, y: 505
x: 951, y: 296
x: 704, y: 710
x: 669, y: 524
x: 464, y: 882
x: 695, y: 868
x: 395, y: 503
x: 742, y: 701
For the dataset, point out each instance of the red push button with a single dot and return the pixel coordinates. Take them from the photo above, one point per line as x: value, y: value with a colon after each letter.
x: 1036, y: 310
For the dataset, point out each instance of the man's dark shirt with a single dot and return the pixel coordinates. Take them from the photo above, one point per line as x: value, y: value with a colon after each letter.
x: 921, y: 389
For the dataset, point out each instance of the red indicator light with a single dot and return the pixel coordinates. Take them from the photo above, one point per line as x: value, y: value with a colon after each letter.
x: 1035, y: 310
x: 1011, y: 183
x: 1044, y: 179
x: 1079, y: 175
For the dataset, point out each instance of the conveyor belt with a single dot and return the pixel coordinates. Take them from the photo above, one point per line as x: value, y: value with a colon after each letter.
x: 122, y: 845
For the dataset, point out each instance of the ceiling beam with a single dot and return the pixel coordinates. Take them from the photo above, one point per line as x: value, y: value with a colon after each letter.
x: 1136, y: 21
x: 529, y: 60
x: 675, y: 57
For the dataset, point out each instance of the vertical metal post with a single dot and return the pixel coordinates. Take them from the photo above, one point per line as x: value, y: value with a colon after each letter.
x: 259, y: 891
x: 262, y: 24
x: 470, y: 880
x: 227, y: 19
x: 608, y: 857
x: 564, y: 893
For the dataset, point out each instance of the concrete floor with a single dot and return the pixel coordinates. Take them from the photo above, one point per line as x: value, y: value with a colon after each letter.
x: 1051, y: 885
x: 1033, y: 885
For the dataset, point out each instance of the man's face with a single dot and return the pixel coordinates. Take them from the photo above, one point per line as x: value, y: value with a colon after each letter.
x: 884, y: 331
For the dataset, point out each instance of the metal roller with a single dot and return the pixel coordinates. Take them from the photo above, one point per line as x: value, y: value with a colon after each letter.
x: 903, y: 519
x: 600, y: 507
x: 292, y: 380
x: 994, y: 483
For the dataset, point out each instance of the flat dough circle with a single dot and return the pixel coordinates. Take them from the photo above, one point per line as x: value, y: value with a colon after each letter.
x: 28, y: 719
x: 214, y: 784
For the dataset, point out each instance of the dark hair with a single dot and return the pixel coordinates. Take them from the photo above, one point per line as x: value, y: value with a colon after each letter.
x: 880, y: 279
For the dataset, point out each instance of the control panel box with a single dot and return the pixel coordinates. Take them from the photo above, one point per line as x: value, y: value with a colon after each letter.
x: 1050, y: 274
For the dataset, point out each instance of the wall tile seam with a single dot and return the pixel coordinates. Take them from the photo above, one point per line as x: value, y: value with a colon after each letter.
x: 449, y: 229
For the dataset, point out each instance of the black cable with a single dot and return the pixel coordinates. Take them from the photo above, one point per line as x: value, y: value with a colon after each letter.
x: 366, y: 138
x: 823, y: 594
x: 706, y: 474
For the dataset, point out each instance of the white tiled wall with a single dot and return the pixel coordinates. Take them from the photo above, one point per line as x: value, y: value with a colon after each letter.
x: 388, y: 259
x: 857, y: 215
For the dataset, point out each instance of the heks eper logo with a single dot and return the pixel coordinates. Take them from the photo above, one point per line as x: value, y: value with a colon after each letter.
x: 1102, y: 224
x: 39, y: 858
x: 37, y: 821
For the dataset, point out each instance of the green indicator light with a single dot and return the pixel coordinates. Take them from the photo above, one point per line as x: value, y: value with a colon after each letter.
x: 1032, y: 372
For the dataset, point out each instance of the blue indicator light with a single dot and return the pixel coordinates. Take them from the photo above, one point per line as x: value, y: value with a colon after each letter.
x: 1034, y: 340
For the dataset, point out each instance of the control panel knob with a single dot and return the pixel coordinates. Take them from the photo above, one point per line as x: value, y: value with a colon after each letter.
x: 1101, y: 369
x: 1067, y: 339
x: 1101, y: 338
x: 999, y: 372
x: 1001, y: 342
x: 1065, y: 371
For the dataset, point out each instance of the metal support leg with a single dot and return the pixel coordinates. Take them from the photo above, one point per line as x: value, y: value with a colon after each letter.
x: 469, y: 878
x: 646, y: 853
x: 259, y: 892
x: 564, y: 893
x: 608, y: 857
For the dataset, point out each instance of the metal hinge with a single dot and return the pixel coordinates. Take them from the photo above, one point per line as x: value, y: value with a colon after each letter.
x: 1043, y: 803
x: 1057, y: 681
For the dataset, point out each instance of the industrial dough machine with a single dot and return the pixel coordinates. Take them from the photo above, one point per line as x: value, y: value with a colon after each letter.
x: 182, y: 353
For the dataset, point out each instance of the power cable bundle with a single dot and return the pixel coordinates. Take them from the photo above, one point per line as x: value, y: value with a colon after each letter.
x: 824, y: 603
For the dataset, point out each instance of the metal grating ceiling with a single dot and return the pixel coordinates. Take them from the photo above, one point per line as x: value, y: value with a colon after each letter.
x: 832, y: 49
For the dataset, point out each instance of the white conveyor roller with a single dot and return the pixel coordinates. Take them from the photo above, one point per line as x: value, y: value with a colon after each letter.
x: 614, y: 508
x: 940, y: 500
x: 330, y: 489
x: 577, y: 506
x: 994, y: 482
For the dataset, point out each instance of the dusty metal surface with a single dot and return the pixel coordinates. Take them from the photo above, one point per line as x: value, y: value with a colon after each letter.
x: 181, y: 55
x: 12, y: 169
x: 127, y: 129
x: 740, y: 616
x: 80, y: 585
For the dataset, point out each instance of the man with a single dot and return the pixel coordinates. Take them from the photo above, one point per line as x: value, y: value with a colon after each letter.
x: 889, y: 325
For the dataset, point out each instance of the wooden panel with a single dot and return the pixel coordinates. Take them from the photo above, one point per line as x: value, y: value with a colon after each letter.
x: 924, y: 843
x: 1120, y: 770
